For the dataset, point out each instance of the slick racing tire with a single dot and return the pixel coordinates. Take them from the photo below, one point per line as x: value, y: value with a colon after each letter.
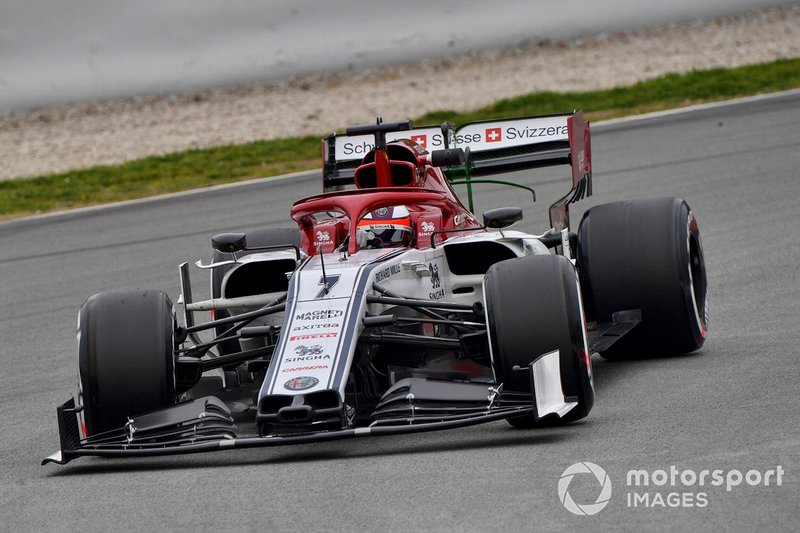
x: 645, y: 254
x: 125, y: 357
x: 533, y: 307
x: 267, y: 237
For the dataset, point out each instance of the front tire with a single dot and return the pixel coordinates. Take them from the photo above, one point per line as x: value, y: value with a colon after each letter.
x: 125, y: 357
x: 533, y: 307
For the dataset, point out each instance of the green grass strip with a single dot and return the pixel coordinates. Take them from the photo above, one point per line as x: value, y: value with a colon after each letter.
x: 669, y: 91
x: 212, y: 166
x: 158, y: 175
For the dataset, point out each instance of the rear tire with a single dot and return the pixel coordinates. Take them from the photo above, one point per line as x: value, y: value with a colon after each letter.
x: 125, y: 357
x: 533, y: 307
x: 645, y: 254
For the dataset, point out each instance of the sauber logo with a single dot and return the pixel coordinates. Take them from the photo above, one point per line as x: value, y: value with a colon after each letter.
x: 421, y: 140
x: 494, y: 135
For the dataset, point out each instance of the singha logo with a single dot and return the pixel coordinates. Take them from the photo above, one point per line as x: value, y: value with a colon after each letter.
x: 315, y: 349
x: 436, y: 281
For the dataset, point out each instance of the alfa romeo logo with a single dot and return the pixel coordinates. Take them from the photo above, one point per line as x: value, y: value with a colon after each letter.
x: 587, y: 509
x: 301, y: 383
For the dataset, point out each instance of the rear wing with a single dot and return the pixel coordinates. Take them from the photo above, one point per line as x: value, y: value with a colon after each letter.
x: 490, y: 147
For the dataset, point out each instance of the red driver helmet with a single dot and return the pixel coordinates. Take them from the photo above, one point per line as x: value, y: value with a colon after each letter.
x: 387, y: 227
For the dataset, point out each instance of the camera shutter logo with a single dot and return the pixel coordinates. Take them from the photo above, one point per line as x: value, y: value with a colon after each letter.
x: 589, y: 508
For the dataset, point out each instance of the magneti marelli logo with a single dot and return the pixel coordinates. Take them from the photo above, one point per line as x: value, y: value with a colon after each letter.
x: 586, y: 509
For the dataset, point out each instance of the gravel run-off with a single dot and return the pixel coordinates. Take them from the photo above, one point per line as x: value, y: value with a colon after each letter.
x: 60, y: 138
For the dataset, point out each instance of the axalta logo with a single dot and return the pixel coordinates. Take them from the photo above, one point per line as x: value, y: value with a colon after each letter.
x: 586, y: 509
x: 327, y: 325
x: 323, y: 236
x: 320, y: 314
x: 427, y: 227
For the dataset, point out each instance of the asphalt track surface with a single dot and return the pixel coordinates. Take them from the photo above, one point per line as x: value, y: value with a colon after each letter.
x: 731, y: 406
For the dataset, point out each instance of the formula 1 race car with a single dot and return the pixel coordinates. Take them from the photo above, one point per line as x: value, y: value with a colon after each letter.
x: 392, y: 308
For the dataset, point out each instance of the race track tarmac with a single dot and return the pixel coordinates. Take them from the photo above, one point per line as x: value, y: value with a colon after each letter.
x: 731, y: 406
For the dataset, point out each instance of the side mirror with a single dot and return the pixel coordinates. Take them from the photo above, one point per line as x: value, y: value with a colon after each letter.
x: 447, y: 158
x: 502, y: 217
x: 229, y: 242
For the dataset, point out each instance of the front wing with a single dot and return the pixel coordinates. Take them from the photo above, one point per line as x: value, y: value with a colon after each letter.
x: 206, y: 424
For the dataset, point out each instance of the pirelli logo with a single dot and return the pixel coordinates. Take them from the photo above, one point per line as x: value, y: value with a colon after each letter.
x: 313, y: 336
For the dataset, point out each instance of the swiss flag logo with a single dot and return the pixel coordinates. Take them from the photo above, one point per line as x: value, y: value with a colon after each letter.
x: 494, y: 135
x: 421, y: 140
